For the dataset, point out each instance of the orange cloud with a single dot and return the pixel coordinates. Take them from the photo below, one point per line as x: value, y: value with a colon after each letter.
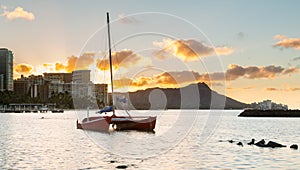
x: 123, y: 82
x: 188, y: 50
x: 47, y: 65
x: 17, y: 13
x: 233, y: 72
x: 291, y: 70
x: 286, y: 42
x: 286, y: 89
x: 271, y: 89
x: 177, y: 78
x: 280, y: 37
x: 165, y: 79
x: 23, y: 68
x: 292, y: 89
x: 142, y: 81
x: 224, y: 50
x: 125, y: 58
x: 243, y: 88
x: 59, y: 66
x: 73, y: 63
x: 82, y: 62
x: 254, y: 72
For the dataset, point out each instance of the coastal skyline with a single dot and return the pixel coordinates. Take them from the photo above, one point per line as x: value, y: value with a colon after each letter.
x: 256, y: 42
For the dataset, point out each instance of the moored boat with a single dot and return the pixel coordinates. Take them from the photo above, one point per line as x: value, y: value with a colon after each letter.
x: 102, y: 123
x: 57, y: 111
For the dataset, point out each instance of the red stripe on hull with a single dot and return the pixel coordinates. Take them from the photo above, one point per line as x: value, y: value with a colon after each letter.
x: 147, y: 124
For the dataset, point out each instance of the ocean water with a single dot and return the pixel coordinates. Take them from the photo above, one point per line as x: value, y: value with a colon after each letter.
x: 182, y: 140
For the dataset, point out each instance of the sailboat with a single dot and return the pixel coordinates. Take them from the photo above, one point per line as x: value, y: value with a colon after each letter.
x: 102, y: 123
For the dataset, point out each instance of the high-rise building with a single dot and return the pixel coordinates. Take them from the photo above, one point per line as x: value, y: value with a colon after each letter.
x: 1, y: 82
x: 33, y: 86
x: 22, y: 86
x: 59, y: 83
x: 6, y: 70
x: 81, y: 83
x: 59, y: 77
x: 81, y: 76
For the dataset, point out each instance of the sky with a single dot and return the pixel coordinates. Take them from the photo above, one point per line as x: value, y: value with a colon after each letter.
x: 247, y: 50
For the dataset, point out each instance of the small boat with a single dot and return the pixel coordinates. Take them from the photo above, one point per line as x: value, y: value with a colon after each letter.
x: 57, y: 111
x: 102, y: 123
x: 44, y: 109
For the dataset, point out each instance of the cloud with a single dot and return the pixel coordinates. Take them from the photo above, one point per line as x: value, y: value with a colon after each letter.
x: 166, y: 79
x: 286, y: 42
x: 188, y: 50
x: 80, y: 63
x: 170, y: 78
x: 59, y: 66
x: 162, y: 54
x: 73, y: 63
x: 280, y: 37
x: 47, y: 65
x: 127, y: 19
x: 243, y: 88
x: 286, y: 89
x: 124, y: 58
x: 23, y: 68
x: 234, y: 72
x: 142, y: 81
x: 254, y: 72
x: 17, y: 13
x: 271, y: 89
x: 224, y: 50
x: 290, y: 70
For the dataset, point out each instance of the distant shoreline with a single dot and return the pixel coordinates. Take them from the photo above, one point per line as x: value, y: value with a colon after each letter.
x: 270, y: 113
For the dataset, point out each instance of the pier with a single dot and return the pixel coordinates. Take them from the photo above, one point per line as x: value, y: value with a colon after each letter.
x: 29, y: 108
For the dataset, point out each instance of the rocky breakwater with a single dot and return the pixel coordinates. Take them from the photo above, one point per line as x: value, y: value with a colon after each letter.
x: 262, y: 143
x: 270, y: 113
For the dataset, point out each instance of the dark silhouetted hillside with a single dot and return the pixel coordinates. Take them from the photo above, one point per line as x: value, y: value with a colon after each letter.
x: 194, y: 96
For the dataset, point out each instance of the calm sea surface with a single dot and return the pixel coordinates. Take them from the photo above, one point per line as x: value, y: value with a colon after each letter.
x: 29, y: 142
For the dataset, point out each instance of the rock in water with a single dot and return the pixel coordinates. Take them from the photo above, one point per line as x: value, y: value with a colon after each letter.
x: 261, y: 143
x: 122, y: 167
x: 294, y: 146
x: 274, y: 145
x: 240, y: 144
x: 252, y: 142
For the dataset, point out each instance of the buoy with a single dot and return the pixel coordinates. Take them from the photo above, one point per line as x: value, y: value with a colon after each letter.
x: 252, y: 142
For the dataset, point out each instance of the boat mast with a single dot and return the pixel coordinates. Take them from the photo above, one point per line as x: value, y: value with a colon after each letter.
x: 110, y: 62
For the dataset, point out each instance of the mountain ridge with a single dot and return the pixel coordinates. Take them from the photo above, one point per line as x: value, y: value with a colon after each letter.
x: 193, y: 96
